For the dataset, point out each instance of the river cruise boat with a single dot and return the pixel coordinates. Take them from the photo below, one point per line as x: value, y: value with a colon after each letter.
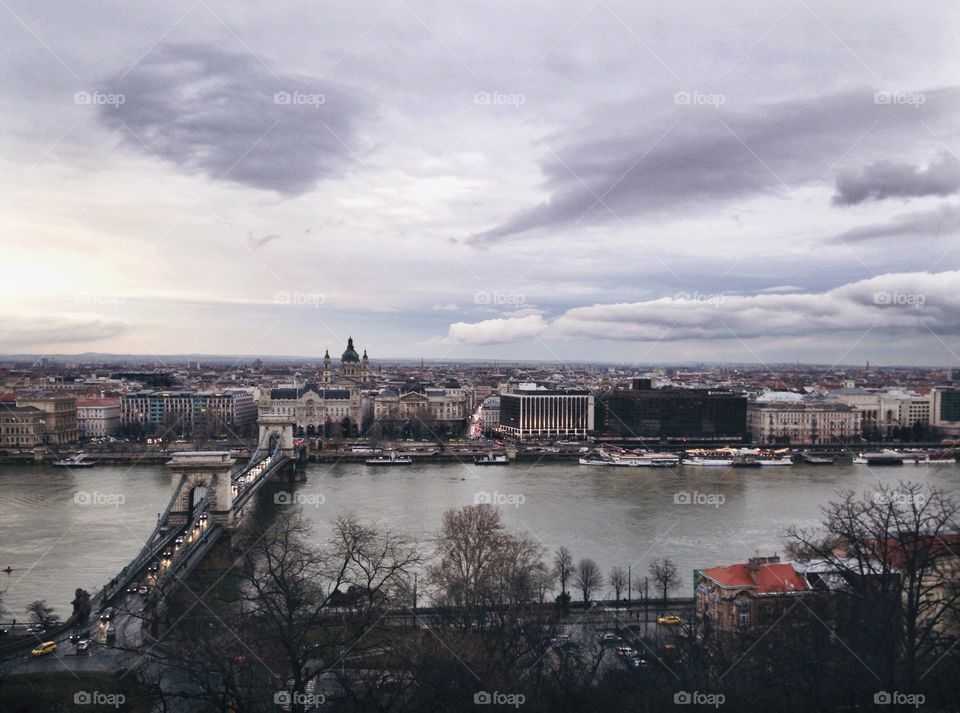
x: 390, y: 458
x: 908, y: 457
x: 491, y: 459
x: 77, y: 461
x: 717, y: 457
x: 630, y: 459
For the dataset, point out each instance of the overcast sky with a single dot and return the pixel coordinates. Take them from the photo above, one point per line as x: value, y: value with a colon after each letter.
x: 611, y: 180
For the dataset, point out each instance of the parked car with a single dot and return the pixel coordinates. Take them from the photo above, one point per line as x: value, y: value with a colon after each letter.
x: 36, y: 629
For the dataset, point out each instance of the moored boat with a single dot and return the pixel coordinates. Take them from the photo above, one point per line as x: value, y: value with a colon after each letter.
x: 491, y: 459
x: 389, y: 459
x: 77, y: 461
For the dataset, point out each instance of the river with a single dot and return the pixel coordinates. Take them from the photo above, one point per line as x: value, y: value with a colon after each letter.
x: 62, y: 529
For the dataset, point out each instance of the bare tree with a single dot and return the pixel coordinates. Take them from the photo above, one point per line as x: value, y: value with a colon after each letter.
x: 562, y: 567
x: 588, y: 577
x: 618, y: 581
x: 891, y: 559
x: 665, y: 576
x: 42, y: 613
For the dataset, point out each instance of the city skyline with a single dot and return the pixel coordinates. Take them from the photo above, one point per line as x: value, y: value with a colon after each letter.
x: 605, y: 183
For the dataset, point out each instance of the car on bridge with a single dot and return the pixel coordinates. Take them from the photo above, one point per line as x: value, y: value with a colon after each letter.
x: 106, y: 614
x: 47, y: 647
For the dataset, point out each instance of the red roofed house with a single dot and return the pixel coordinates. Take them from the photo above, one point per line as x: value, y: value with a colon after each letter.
x: 738, y: 596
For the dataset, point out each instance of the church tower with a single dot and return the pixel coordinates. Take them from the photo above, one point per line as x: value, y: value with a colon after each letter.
x: 327, y: 377
x: 350, y: 362
x: 364, y: 368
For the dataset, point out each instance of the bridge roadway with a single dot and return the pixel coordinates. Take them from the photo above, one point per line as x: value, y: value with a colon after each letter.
x: 172, y: 551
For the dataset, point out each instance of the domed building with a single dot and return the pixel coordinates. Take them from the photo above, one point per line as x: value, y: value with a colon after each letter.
x: 353, y: 367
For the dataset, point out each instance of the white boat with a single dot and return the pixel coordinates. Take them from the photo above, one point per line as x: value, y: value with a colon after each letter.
x: 77, y: 461
x: 491, y: 459
x: 766, y: 457
x: 630, y: 459
x: 390, y: 459
x: 910, y: 457
x: 718, y: 457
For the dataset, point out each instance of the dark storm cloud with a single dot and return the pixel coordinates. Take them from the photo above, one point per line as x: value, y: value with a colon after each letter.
x: 941, y: 221
x: 886, y: 179
x: 228, y: 116
x: 685, y: 156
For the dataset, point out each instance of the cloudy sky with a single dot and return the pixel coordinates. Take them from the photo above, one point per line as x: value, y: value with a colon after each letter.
x: 637, y: 182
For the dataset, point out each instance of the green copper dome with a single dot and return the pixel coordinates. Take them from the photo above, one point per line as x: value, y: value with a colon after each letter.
x: 350, y: 355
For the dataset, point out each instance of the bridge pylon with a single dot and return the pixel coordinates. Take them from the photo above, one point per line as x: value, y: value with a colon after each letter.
x: 202, y: 472
x: 281, y: 426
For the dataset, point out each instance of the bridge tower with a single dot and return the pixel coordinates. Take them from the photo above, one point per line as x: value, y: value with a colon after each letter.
x: 202, y: 472
x: 281, y: 426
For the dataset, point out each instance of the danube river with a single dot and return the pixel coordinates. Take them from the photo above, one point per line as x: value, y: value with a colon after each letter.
x: 62, y: 529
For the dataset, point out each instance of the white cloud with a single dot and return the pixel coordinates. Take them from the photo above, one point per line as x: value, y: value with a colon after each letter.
x: 496, y: 331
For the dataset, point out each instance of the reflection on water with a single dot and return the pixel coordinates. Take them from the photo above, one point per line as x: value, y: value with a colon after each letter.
x: 61, y: 530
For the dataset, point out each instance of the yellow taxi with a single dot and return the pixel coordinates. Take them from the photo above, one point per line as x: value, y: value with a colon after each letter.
x: 47, y: 647
x: 670, y: 619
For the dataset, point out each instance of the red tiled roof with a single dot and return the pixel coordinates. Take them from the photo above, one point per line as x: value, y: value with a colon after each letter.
x: 8, y: 396
x: 773, y: 578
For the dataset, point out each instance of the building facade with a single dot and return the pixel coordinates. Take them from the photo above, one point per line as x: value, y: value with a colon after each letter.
x: 20, y: 426
x: 672, y: 414
x: 98, y: 417
x: 490, y: 415
x: 318, y: 410
x: 803, y: 422
x: 188, y: 413
x: 945, y: 411
x: 415, y: 410
x: 756, y: 593
x: 59, y: 418
x: 544, y: 413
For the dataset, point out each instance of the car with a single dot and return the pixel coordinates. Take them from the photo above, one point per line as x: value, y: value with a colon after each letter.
x: 77, y: 636
x: 560, y: 639
x: 178, y: 541
x: 608, y: 637
x: 84, y: 645
x: 154, y: 566
x: 4, y: 632
x: 626, y: 651
x: 132, y: 589
x: 167, y: 553
x: 636, y: 661
x: 36, y: 629
x: 669, y: 619
x: 47, y: 647
x: 106, y: 614
x: 144, y: 589
x: 111, y: 633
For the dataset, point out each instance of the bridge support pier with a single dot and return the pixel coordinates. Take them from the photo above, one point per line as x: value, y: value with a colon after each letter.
x: 202, y: 472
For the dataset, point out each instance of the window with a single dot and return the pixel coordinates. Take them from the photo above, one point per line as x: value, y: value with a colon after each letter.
x: 743, y: 617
